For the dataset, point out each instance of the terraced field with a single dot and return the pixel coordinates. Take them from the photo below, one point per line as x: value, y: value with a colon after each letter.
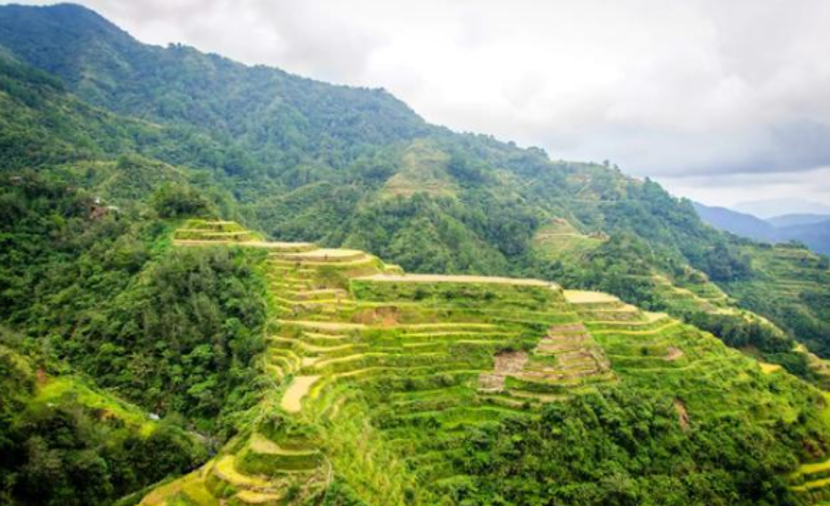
x: 377, y: 376
x: 559, y: 240
x: 424, y: 170
x: 703, y: 296
x: 692, y: 293
x: 811, y: 481
x: 792, y: 286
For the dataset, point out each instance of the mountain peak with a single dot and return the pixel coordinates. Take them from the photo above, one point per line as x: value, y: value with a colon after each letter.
x: 54, y: 38
x: 81, y: 17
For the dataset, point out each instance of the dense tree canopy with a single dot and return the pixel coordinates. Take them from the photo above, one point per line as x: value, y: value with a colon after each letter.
x: 106, y: 145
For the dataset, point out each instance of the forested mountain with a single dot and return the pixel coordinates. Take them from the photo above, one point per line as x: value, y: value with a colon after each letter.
x: 107, y: 144
x: 283, y: 143
x: 305, y: 160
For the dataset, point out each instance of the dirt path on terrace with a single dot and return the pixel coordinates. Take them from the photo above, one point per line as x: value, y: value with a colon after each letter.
x: 437, y: 278
x: 583, y: 297
x: 291, y: 400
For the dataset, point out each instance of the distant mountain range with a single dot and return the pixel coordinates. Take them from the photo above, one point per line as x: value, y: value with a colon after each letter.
x: 810, y: 229
x: 323, y: 375
x: 772, y: 208
x: 789, y: 220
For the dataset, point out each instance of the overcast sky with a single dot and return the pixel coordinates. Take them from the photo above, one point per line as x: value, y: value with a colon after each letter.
x: 720, y: 100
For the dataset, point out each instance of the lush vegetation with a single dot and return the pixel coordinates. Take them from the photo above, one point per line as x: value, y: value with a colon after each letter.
x: 175, y: 331
x: 485, y: 390
x: 623, y: 448
x: 65, y: 443
x: 98, y: 290
x: 108, y: 146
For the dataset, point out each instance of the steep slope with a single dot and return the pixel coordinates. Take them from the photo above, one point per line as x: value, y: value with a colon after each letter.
x: 341, y: 166
x: 384, y: 383
x: 41, y: 124
x: 320, y: 150
x: 791, y: 287
x: 270, y: 114
x: 518, y: 381
x: 731, y: 310
x: 98, y: 299
x: 65, y: 441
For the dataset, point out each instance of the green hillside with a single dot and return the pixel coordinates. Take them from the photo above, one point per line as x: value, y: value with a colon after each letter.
x: 732, y: 310
x: 327, y: 300
x: 395, y: 388
x: 323, y: 152
x: 378, y: 178
x: 791, y: 287
x: 64, y: 441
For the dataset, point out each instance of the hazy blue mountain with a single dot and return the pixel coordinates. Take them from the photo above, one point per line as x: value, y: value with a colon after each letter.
x: 778, y: 207
x: 809, y: 229
x: 737, y: 223
x: 814, y: 235
x: 789, y: 220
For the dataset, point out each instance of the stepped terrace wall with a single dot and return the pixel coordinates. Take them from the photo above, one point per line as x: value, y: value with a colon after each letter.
x: 463, y: 290
x: 378, y: 379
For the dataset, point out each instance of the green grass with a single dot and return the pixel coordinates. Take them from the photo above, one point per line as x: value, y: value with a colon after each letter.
x: 67, y: 388
x: 559, y: 240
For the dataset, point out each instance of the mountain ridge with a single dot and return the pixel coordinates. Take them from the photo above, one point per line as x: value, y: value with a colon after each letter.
x: 123, y: 261
x: 798, y: 219
x: 812, y: 230
x: 743, y: 224
x: 776, y: 207
x: 502, y: 195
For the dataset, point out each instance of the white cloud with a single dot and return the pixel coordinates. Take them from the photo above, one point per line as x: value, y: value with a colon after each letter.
x: 728, y: 189
x: 667, y: 89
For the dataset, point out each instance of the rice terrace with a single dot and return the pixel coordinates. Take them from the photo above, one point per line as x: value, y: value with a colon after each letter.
x: 377, y: 374
x: 409, y: 253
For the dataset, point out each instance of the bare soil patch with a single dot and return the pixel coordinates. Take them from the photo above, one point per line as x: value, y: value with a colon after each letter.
x: 565, y: 328
x: 682, y: 414
x: 673, y: 354
x: 510, y: 362
x: 386, y: 316
x: 505, y: 364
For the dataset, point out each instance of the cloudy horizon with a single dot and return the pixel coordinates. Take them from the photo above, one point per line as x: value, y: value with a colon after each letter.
x: 722, y: 102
